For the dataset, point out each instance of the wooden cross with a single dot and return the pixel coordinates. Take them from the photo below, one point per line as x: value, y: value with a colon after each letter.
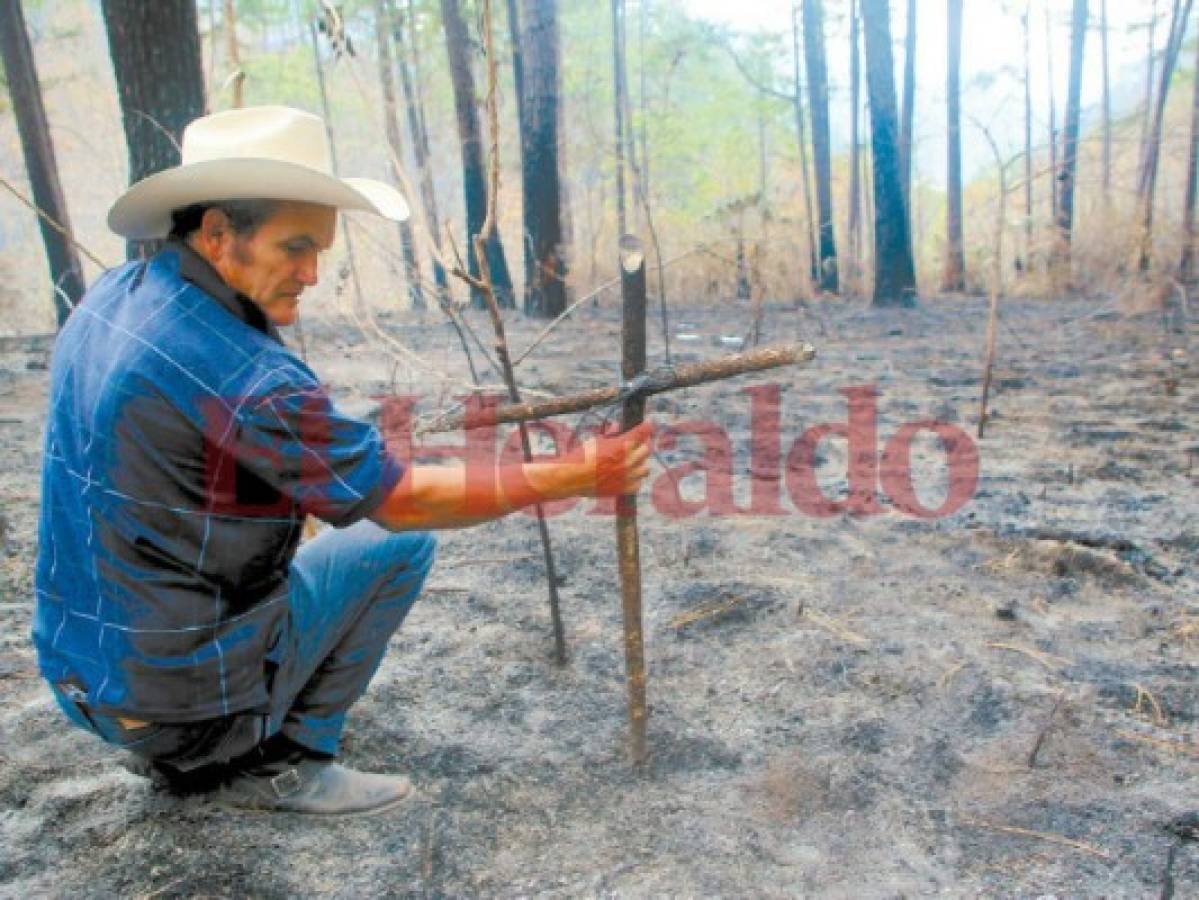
x: 638, y: 386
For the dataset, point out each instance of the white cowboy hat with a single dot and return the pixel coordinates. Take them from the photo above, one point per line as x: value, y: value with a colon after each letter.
x: 261, y: 152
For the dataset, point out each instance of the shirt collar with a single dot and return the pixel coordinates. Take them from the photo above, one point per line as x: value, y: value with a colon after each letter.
x: 199, y: 271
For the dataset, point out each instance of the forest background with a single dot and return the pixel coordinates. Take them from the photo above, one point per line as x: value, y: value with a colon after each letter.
x: 711, y: 127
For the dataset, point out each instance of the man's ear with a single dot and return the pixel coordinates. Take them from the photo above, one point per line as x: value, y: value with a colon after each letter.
x: 214, y: 234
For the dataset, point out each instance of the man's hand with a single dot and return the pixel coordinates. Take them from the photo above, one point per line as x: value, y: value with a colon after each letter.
x: 618, y: 463
x: 430, y: 497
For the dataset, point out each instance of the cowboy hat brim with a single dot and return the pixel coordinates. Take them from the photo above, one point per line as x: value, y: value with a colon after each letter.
x: 144, y: 211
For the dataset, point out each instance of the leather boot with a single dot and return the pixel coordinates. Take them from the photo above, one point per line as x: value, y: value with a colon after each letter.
x: 315, y: 787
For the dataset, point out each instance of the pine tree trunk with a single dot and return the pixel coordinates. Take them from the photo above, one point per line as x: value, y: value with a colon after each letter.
x: 474, y: 177
x: 1146, y: 191
x: 1052, y: 117
x: 618, y: 108
x: 25, y: 92
x: 909, y: 104
x: 1107, y: 106
x: 802, y: 139
x: 954, y: 278
x: 1065, y: 220
x: 1187, y: 265
x: 813, y: 27
x: 855, y: 144
x: 522, y: 117
x: 1150, y: 70
x: 894, y: 272
x: 236, y: 74
x: 155, y: 49
x: 1028, y: 192
x: 420, y: 143
x: 546, y: 291
x: 391, y: 127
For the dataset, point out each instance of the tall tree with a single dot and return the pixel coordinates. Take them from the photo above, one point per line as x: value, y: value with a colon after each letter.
x: 1147, y: 183
x: 954, y: 278
x: 894, y: 271
x: 1150, y: 61
x: 1026, y: 24
x: 155, y: 49
x: 1065, y: 218
x: 391, y: 127
x: 618, y: 108
x: 25, y: 91
x: 237, y: 75
x: 909, y: 104
x: 1186, y: 267
x: 545, y: 291
x: 474, y: 178
x: 414, y: 108
x: 1107, y: 104
x: 1052, y: 115
x: 855, y: 140
x: 522, y: 117
x: 802, y: 138
x: 813, y: 33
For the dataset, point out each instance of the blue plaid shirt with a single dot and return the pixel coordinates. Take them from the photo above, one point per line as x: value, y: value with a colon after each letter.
x: 184, y: 445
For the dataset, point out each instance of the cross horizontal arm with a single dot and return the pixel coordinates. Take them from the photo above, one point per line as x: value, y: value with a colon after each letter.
x: 655, y: 381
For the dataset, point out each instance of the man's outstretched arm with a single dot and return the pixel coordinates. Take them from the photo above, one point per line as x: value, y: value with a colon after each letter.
x: 432, y: 497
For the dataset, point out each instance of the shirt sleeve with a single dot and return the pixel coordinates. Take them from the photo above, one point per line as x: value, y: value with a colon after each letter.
x: 331, y: 465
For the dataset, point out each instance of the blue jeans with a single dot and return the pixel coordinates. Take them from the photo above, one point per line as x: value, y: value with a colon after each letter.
x: 350, y: 590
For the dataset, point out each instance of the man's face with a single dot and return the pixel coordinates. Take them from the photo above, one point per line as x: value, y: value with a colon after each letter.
x: 273, y: 265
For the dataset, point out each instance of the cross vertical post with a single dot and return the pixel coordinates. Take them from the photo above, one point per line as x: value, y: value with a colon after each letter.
x: 633, y: 359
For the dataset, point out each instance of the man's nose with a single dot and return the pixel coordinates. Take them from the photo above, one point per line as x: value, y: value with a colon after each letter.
x: 308, y: 273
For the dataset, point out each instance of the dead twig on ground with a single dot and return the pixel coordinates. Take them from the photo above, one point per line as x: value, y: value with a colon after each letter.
x: 1184, y: 747
x: 707, y: 611
x: 1053, y: 663
x: 831, y: 625
x: 1044, y: 732
x: 1038, y: 835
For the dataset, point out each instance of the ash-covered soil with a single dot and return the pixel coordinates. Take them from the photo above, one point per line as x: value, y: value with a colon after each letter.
x: 840, y: 706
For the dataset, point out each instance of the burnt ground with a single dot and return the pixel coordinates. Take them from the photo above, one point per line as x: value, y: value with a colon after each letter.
x: 842, y: 706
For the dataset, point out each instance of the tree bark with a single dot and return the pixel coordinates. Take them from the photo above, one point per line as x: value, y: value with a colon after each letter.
x: 391, y: 127
x: 894, y: 272
x: 236, y: 75
x: 522, y: 116
x: 420, y: 142
x: 1052, y: 116
x: 1028, y: 192
x: 1065, y: 219
x: 474, y: 177
x: 1186, y: 267
x: 855, y: 142
x: 155, y: 51
x: 1146, y: 188
x: 545, y: 293
x: 618, y: 111
x: 1107, y: 105
x: 802, y: 139
x: 813, y: 26
x: 954, y: 277
x: 909, y: 104
x: 1150, y: 70
x: 24, y: 90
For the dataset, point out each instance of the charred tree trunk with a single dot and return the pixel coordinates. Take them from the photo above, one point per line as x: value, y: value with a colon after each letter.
x: 618, y: 110
x: 25, y: 92
x: 391, y: 127
x: 545, y: 293
x: 802, y: 138
x: 1187, y: 265
x: 474, y: 176
x: 1146, y: 188
x: 1028, y: 193
x: 522, y: 118
x: 813, y: 27
x: 894, y: 272
x: 909, y: 105
x: 1150, y: 70
x: 237, y: 75
x: 420, y: 143
x: 1107, y: 106
x: 1065, y: 219
x: 855, y: 143
x: 155, y: 49
x: 954, y: 278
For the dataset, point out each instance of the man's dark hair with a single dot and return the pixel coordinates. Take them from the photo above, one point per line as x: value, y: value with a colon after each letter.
x: 245, y: 216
